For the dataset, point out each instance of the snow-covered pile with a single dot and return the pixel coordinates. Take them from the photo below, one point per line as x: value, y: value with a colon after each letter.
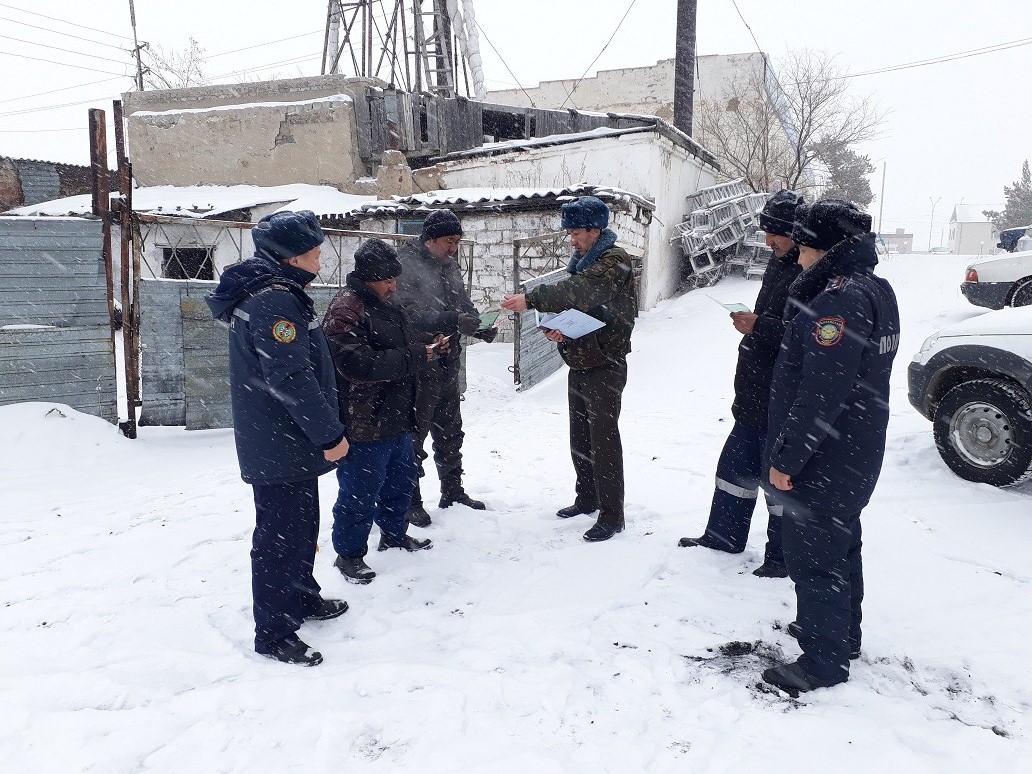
x: 512, y: 646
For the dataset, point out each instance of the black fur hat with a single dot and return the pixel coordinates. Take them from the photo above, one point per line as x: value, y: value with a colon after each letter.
x: 824, y: 224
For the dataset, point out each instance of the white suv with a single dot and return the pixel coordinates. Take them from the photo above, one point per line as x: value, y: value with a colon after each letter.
x: 998, y: 282
x: 974, y: 381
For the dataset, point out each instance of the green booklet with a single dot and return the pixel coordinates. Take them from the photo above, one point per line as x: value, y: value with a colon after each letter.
x: 487, y: 320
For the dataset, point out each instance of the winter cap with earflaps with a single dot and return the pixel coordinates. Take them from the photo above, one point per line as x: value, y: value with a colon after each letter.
x: 286, y: 234
x: 440, y: 223
x: 824, y: 224
x: 778, y: 214
x: 585, y: 212
x: 375, y: 260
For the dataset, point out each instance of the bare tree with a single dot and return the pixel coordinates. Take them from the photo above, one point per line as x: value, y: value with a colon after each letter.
x: 769, y: 129
x: 172, y: 69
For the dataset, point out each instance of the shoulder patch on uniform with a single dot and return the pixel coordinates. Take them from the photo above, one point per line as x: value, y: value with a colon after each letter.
x: 837, y: 283
x: 829, y: 331
x: 284, y: 331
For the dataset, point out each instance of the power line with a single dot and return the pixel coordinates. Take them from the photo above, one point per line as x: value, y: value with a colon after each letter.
x: 295, y: 60
x: 63, y: 21
x: 504, y: 63
x: 751, y: 34
x: 260, y: 45
x: 944, y: 58
x: 63, y: 64
x: 61, y: 49
x: 58, y: 32
x: 26, y: 111
x: 65, y: 88
x: 618, y: 26
x: 34, y: 131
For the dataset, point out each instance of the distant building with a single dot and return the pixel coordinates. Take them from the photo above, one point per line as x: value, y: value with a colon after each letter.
x: 902, y: 242
x: 971, y: 233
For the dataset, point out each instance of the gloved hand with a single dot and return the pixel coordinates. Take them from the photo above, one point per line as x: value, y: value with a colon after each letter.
x: 486, y: 334
x: 468, y: 324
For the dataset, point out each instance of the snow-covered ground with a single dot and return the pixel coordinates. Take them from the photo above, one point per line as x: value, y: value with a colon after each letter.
x: 512, y: 646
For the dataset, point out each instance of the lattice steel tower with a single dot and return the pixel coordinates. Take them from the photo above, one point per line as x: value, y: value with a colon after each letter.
x: 415, y: 45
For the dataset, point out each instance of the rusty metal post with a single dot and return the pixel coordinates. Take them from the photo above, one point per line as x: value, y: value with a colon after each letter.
x: 130, y: 333
x: 99, y: 187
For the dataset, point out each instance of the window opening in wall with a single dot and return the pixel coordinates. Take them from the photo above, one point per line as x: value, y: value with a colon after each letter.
x: 188, y: 263
x: 412, y: 226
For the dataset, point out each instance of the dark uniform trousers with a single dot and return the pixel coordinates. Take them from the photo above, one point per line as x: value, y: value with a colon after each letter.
x: 823, y: 554
x: 282, y: 557
x: 595, y: 396
x: 438, y: 415
x: 734, y: 498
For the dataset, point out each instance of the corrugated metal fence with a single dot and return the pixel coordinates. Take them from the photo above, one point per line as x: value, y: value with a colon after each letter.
x: 55, y: 328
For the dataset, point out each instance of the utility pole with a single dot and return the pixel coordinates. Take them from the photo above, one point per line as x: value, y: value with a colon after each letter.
x: 684, y: 65
x: 881, y: 199
x: 931, y: 225
x: 136, y: 47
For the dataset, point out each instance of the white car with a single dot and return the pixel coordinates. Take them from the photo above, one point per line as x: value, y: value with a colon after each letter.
x: 974, y: 381
x: 1005, y: 280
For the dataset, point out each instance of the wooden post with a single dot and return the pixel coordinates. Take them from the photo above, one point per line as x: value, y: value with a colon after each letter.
x: 684, y: 66
x: 129, y: 279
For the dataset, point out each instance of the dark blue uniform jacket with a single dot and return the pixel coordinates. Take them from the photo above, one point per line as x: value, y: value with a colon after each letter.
x: 281, y: 376
x: 829, y: 402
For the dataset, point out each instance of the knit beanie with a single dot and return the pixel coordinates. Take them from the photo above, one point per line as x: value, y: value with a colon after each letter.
x: 376, y: 260
x: 585, y: 212
x: 286, y: 234
x: 778, y: 214
x: 440, y: 223
x: 824, y: 224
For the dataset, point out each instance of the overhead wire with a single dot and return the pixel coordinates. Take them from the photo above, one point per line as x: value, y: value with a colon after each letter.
x: 260, y: 45
x: 586, y: 71
x: 504, y: 63
x: 64, y: 88
x: 66, y: 34
x: 65, y: 21
x: 63, y: 64
x: 62, y: 50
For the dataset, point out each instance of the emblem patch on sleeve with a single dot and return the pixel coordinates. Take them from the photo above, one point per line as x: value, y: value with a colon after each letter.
x: 284, y: 331
x: 829, y: 331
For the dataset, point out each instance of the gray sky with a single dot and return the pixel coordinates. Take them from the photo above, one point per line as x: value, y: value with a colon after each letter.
x: 956, y: 131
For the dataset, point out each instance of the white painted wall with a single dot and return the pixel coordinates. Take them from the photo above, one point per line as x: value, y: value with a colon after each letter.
x: 973, y: 238
x: 646, y: 164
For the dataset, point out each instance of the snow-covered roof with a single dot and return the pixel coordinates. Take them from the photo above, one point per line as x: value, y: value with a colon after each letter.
x: 245, y: 106
x: 972, y: 213
x: 651, y: 124
x: 488, y: 198
x: 209, y: 201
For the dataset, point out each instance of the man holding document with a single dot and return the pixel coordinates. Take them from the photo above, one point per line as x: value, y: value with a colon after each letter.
x: 590, y: 315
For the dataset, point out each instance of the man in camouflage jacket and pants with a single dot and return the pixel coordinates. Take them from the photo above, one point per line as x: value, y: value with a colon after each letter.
x: 601, y: 284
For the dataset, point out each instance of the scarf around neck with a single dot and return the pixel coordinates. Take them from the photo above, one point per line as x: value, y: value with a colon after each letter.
x: 578, y: 263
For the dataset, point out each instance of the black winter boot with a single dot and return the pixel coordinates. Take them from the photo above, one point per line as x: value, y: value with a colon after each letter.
x: 417, y: 516
x: 354, y: 569
x: 408, y: 542
x: 771, y: 570
x: 328, y: 608
x: 291, y: 650
x: 793, y: 679
x: 461, y: 498
x: 577, y: 509
x: 603, y: 530
x: 705, y: 542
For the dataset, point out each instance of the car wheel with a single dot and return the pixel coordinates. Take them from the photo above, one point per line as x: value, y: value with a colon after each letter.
x: 983, y: 431
x: 1022, y: 295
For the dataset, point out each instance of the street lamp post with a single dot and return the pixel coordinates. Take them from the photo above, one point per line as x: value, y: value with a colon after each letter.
x: 931, y: 224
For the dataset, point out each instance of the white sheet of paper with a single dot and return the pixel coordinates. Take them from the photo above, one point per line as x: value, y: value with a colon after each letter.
x: 572, y: 323
x: 734, y: 306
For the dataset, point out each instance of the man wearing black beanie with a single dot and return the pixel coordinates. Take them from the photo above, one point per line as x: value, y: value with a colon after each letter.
x: 740, y: 467
x: 378, y: 361
x: 285, y: 423
x: 432, y: 293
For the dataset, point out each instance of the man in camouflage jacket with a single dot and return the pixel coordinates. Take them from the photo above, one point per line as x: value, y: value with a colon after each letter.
x: 601, y: 284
